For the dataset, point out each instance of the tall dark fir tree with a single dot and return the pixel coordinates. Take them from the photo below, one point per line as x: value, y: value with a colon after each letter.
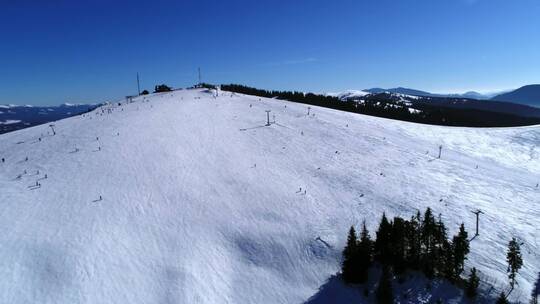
x: 471, y: 286
x: 428, y: 235
x: 349, y: 265
x: 460, y: 244
x: 365, y: 254
x: 413, y: 236
x: 515, y: 261
x: 398, y: 245
x: 383, y: 249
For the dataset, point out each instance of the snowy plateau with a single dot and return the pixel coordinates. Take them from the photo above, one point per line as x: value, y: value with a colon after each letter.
x: 184, y: 197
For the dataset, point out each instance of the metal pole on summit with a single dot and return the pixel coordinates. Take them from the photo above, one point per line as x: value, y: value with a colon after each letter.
x: 138, y: 84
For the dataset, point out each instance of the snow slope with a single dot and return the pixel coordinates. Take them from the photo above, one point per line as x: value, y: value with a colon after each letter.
x: 201, y: 202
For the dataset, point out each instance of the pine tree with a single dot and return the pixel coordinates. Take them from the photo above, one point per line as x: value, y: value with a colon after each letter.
x: 446, y: 266
x: 513, y: 257
x: 365, y: 249
x: 472, y: 283
x: 350, y: 255
x: 502, y: 299
x: 442, y: 260
x: 460, y: 244
x: 383, y: 251
x: 384, y: 293
x: 428, y: 234
x: 398, y: 245
x: 414, y: 242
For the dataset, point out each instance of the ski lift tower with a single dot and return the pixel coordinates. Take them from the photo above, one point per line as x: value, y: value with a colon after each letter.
x: 52, y: 128
x: 267, y: 117
x: 477, y: 212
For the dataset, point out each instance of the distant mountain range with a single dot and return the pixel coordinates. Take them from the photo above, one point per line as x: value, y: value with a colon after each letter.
x: 414, y: 92
x: 457, y: 110
x: 446, y: 111
x: 14, y: 117
x: 527, y: 95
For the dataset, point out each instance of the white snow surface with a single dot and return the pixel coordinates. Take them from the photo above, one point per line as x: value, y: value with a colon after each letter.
x: 348, y: 94
x: 9, y: 121
x: 201, y: 202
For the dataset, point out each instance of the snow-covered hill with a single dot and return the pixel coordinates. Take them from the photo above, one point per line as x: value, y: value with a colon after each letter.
x: 349, y: 94
x: 185, y: 198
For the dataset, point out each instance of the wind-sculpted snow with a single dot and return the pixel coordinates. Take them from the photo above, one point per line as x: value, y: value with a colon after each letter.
x: 185, y: 198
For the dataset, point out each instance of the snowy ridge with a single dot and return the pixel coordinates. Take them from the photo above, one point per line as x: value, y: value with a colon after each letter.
x: 349, y: 94
x: 185, y: 198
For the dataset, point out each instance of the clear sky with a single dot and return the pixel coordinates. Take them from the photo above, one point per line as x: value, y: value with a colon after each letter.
x: 59, y: 51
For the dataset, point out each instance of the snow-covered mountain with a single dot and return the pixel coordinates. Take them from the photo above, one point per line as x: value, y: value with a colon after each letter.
x: 15, y: 117
x: 184, y: 197
x: 348, y: 94
x: 407, y: 91
x: 474, y: 112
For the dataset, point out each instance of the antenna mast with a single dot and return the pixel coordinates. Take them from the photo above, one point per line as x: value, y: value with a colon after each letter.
x: 138, y: 85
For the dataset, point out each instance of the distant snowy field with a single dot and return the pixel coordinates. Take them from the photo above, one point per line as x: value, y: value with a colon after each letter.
x: 201, y: 202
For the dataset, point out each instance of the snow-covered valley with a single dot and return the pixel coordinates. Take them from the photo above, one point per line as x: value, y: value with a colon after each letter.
x: 185, y: 198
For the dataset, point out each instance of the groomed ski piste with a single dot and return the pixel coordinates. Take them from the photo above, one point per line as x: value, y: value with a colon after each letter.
x: 183, y: 197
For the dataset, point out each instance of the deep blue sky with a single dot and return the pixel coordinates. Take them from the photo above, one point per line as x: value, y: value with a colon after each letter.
x: 59, y: 51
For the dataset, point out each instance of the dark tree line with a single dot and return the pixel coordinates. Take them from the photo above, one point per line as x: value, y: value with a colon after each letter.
x: 383, y: 105
x: 419, y: 243
x: 162, y: 88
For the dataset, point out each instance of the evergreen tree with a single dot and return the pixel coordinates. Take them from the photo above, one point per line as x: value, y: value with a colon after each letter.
x: 398, y: 245
x: 472, y: 283
x: 145, y: 92
x: 365, y: 249
x: 513, y: 257
x: 446, y: 265
x: 350, y: 255
x: 428, y: 240
x: 502, y: 299
x: 383, y: 250
x: 384, y: 293
x: 460, y: 244
x: 442, y: 259
x: 414, y: 248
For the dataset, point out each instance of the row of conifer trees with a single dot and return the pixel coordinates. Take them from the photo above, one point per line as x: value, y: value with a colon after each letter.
x: 420, y: 243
